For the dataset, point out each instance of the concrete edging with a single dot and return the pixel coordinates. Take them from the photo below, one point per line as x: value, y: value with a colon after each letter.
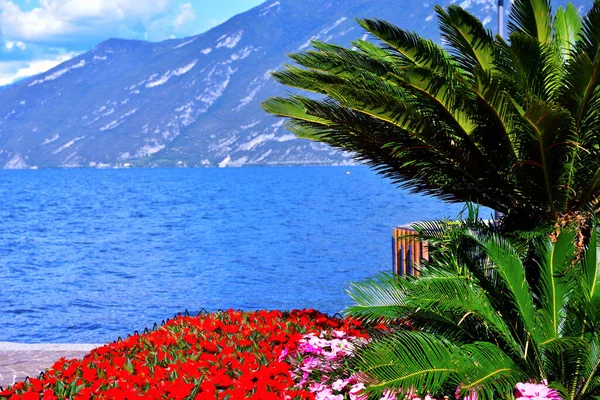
x: 20, y: 360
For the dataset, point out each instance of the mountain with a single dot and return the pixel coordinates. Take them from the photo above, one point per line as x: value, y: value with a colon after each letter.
x: 192, y: 101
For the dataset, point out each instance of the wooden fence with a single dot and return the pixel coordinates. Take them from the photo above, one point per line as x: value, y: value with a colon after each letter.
x: 407, y: 252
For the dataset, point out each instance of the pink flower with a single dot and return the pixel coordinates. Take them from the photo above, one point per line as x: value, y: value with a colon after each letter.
x: 357, y: 392
x: 284, y: 354
x: 411, y: 394
x: 339, y: 384
x: 315, y: 341
x: 389, y: 395
x: 308, y: 348
x: 309, y: 364
x: 305, y: 378
x: 327, y: 394
x: 317, y: 387
x: 539, y: 391
x: 471, y: 396
x: 341, y: 347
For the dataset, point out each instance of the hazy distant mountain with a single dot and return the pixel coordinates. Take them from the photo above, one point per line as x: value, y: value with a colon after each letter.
x: 192, y: 101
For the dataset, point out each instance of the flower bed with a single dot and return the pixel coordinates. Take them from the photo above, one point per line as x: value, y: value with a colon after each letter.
x: 229, y: 355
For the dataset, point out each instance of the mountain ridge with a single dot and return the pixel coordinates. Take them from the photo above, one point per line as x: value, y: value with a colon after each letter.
x: 190, y: 101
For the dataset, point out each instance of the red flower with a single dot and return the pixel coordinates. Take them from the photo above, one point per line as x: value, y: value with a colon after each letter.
x: 232, y: 355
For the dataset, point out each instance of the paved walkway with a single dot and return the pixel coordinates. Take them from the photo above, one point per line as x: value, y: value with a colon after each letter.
x: 17, y: 360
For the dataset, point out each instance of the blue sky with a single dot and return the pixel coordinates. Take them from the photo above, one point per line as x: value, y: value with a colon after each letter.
x: 36, y: 35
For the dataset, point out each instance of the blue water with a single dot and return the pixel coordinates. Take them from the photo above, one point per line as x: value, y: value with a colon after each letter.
x: 90, y: 255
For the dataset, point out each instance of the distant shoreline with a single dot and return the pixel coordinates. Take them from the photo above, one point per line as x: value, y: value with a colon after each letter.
x: 349, y: 165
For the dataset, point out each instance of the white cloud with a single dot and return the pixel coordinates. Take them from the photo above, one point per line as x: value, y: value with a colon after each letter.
x: 11, y: 71
x: 186, y: 14
x: 60, y: 18
x: 11, y: 44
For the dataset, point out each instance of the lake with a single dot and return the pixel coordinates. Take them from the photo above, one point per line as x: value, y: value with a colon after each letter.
x: 90, y: 255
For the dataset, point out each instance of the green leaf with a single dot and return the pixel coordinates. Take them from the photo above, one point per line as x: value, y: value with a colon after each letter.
x: 469, y: 41
x: 591, y: 265
x: 533, y: 18
x: 555, y: 287
x: 408, y: 360
x: 567, y: 27
x: 411, y: 48
x: 381, y: 298
x: 507, y: 263
x: 291, y: 107
x: 487, y: 371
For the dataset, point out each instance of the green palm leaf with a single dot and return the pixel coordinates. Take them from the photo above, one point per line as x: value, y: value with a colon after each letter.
x: 592, y: 368
x: 446, y: 293
x: 506, y: 262
x: 555, y: 286
x: 488, y: 371
x: 409, y: 360
x: 567, y: 27
x: 591, y: 265
x: 470, y: 42
x: 382, y: 298
x: 533, y: 18
x: 412, y: 49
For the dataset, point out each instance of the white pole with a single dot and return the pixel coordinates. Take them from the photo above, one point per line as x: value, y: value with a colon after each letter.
x: 501, y: 18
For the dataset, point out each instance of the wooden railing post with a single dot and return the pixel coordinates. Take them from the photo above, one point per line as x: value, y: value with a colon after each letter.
x: 407, y: 252
x: 395, y: 266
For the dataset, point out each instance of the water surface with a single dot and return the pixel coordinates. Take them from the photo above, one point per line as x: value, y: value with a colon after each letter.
x: 90, y: 255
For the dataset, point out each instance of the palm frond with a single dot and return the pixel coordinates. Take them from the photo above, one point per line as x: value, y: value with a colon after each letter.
x: 566, y: 29
x: 411, y: 48
x: 345, y: 63
x: 494, y: 115
x: 409, y: 360
x: 591, y: 265
x: 554, y: 261
x: 533, y: 18
x: 589, y: 42
x: 592, y: 369
x: 469, y: 41
x: 292, y: 107
x: 509, y: 267
x: 445, y: 292
x: 382, y: 298
x: 488, y: 371
x: 582, y: 96
x: 544, y: 151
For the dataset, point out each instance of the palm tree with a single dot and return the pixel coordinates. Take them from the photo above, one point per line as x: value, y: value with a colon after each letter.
x: 512, y: 125
x: 482, y: 325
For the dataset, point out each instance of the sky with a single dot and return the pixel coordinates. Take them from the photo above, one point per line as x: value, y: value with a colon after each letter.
x: 36, y: 35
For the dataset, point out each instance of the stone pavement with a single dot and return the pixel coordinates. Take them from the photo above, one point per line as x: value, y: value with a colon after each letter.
x: 17, y: 360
